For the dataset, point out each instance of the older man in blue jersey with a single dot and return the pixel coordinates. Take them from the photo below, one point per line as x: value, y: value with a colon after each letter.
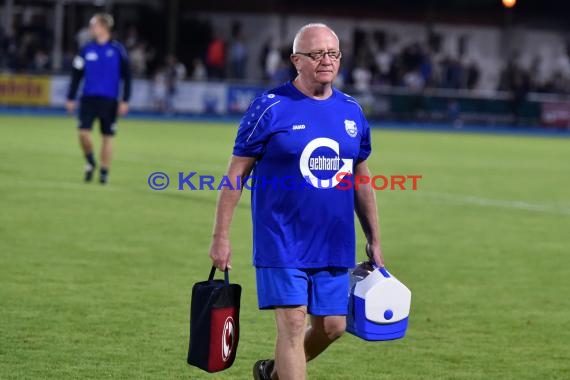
x: 103, y: 63
x: 304, y: 236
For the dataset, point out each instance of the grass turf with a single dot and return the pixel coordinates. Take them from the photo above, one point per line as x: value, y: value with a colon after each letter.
x: 95, y: 281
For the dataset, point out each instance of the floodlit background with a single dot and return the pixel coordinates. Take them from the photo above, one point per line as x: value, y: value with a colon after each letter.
x: 95, y: 280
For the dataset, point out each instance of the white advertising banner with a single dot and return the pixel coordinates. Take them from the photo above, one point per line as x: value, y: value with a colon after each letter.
x: 189, y: 97
x: 58, y: 91
x: 200, y: 97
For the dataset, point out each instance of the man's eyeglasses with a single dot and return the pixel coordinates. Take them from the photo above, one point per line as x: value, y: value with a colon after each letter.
x: 319, y: 54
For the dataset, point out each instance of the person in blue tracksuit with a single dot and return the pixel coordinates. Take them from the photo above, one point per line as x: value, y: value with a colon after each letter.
x: 102, y: 64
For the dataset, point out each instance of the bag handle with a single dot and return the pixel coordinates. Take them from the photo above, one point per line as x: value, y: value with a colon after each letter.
x: 226, y: 275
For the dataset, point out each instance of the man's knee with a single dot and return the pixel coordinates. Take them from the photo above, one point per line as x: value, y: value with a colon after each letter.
x: 291, y: 322
x: 334, y: 327
x: 107, y: 139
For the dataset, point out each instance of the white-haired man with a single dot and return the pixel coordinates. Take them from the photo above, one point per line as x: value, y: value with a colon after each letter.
x: 301, y: 140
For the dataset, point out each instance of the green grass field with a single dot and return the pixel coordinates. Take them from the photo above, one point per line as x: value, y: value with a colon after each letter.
x: 95, y: 281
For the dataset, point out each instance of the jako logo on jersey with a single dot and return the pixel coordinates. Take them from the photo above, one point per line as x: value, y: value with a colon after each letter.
x: 350, y: 126
x: 298, y: 126
x: 308, y: 164
x: 91, y: 56
x: 228, y: 338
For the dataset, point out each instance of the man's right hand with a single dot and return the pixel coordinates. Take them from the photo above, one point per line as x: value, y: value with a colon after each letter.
x: 221, y: 253
x: 70, y: 106
x: 220, y: 250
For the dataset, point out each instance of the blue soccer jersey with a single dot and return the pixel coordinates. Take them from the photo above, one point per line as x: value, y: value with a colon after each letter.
x: 102, y: 66
x: 302, y: 217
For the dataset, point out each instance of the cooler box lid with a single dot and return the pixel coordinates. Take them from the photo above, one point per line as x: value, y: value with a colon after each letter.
x: 387, y: 300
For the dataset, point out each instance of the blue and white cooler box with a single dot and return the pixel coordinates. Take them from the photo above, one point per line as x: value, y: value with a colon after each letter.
x: 379, y: 304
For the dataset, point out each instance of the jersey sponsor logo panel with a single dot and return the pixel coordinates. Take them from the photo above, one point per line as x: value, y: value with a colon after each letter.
x: 321, y: 164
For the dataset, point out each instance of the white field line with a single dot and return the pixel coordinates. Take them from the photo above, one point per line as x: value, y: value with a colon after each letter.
x: 52, y: 184
x: 489, y: 202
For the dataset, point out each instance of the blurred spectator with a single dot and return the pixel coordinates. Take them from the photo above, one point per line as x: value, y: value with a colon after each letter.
x: 263, y: 56
x: 472, y: 75
x: 3, y: 45
x: 237, y: 53
x: 426, y: 69
x: 176, y: 69
x: 452, y: 73
x: 166, y: 81
x: 41, y: 61
x: 160, y: 90
x: 345, y: 72
x: 199, y: 71
x: 67, y: 61
x: 284, y: 70
x: 132, y: 38
x: 382, y: 57
x: 272, y: 59
x: 454, y: 113
x: 83, y: 36
x: 383, y: 61
x: 138, y: 59
x: 361, y: 76
x: 537, y: 82
x: 216, y: 57
x: 414, y: 80
x: 515, y: 80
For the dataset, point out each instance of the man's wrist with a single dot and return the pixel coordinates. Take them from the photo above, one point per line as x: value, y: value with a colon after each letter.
x: 220, y: 236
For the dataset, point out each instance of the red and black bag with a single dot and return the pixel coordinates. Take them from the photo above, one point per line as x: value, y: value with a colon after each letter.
x: 214, y: 323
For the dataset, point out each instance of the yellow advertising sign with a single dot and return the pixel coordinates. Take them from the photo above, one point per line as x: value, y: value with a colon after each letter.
x: 24, y: 90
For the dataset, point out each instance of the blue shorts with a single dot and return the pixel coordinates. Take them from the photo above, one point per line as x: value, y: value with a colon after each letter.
x: 324, y: 290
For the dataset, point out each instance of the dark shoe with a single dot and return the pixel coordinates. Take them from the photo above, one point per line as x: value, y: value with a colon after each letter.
x: 89, y: 170
x: 103, y: 176
x: 262, y: 369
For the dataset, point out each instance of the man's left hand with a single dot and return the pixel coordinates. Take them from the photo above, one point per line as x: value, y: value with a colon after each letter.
x: 374, y: 252
x: 123, y: 108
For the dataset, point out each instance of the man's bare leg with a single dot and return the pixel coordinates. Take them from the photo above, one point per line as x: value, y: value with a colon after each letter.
x: 290, y: 360
x: 322, y: 332
x: 106, y: 156
x: 86, y: 143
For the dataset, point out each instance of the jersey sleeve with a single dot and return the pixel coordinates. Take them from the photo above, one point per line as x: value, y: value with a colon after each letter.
x: 255, y: 128
x: 125, y: 72
x: 365, y: 144
x: 76, y: 74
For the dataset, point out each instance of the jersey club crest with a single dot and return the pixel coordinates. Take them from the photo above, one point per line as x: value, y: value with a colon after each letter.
x: 350, y: 126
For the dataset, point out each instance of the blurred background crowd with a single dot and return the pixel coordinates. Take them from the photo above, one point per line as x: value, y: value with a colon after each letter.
x: 483, y: 61
x: 208, y: 46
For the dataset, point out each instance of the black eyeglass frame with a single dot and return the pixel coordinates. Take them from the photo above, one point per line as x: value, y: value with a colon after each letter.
x: 312, y: 55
